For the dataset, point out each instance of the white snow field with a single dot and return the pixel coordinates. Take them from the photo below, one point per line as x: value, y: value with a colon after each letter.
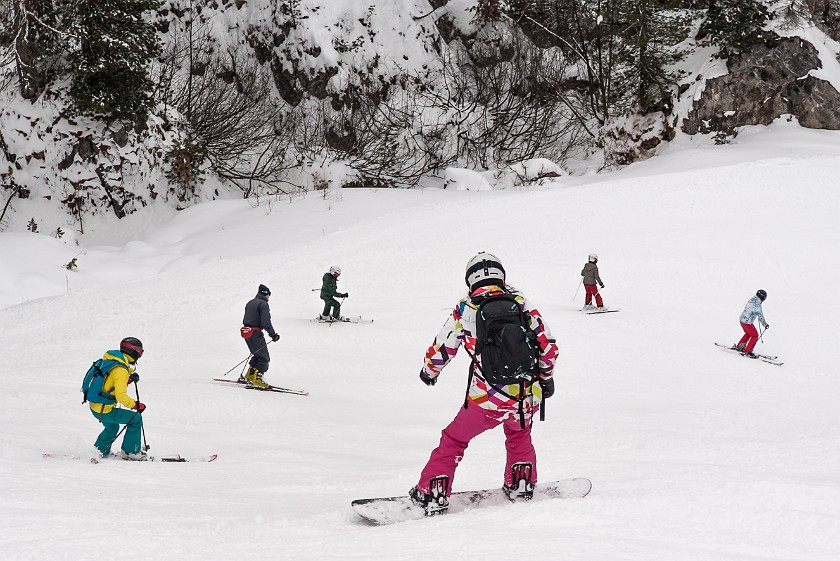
x: 694, y: 454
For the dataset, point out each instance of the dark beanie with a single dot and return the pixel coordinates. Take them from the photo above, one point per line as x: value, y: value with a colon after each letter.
x: 264, y: 290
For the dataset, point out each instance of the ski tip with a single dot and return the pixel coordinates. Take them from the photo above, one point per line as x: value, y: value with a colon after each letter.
x: 177, y: 458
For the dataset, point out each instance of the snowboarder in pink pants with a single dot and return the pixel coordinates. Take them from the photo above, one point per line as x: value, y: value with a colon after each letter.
x: 513, y: 356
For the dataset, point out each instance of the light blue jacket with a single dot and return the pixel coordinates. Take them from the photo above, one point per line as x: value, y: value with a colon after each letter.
x: 753, y: 310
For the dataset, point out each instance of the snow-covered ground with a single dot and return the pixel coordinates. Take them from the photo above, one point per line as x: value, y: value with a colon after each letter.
x: 695, y: 454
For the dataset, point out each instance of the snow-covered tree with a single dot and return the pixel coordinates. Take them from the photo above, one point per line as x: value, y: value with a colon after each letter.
x: 112, y: 48
x: 734, y: 25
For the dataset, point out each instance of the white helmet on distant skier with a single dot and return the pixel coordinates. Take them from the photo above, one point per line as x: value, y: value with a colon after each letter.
x: 484, y: 269
x: 335, y: 270
x: 593, y: 258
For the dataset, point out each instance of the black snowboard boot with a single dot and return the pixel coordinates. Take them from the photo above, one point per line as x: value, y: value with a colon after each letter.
x: 436, y: 501
x: 522, y: 487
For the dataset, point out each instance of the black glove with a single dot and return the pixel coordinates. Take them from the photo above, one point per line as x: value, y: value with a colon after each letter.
x: 345, y: 295
x: 547, y: 387
x: 766, y: 327
x: 428, y: 380
x: 275, y: 337
x: 602, y: 286
x: 133, y: 377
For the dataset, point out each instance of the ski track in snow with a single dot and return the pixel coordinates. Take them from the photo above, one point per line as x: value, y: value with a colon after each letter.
x: 694, y: 454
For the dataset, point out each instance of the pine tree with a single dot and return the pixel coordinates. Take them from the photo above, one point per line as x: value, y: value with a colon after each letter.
x: 651, y: 31
x: 109, y: 64
x: 734, y: 25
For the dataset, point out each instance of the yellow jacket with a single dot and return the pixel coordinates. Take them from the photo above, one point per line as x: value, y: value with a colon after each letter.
x: 116, y: 383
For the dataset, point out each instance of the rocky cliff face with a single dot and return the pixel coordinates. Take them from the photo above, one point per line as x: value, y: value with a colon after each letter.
x: 325, y: 59
x: 772, y: 80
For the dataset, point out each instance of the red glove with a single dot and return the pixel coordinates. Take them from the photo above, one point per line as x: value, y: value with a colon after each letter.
x: 139, y: 407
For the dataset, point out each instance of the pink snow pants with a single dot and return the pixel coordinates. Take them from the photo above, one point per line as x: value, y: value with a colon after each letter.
x: 750, y: 337
x: 592, y: 290
x: 468, y: 424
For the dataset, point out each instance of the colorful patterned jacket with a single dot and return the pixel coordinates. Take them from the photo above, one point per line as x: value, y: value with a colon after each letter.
x: 753, y: 310
x: 460, y: 329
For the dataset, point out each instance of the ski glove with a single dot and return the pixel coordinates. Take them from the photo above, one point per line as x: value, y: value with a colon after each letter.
x: 133, y: 377
x: 275, y: 337
x: 345, y: 295
x: 428, y: 380
x: 547, y: 387
x: 139, y: 407
x: 766, y: 326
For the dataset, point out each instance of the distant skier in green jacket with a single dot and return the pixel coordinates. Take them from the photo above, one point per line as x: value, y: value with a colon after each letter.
x: 329, y: 290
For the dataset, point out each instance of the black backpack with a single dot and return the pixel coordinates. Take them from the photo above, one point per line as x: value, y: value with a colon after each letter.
x: 507, y: 345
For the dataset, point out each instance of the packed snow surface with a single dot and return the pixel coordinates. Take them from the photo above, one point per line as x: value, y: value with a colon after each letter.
x: 694, y: 454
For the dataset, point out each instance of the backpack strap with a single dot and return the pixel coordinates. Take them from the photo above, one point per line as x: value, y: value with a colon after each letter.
x: 473, y: 366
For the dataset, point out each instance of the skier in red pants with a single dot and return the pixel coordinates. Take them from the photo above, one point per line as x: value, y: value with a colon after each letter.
x: 590, y: 277
x: 487, y: 405
x: 752, y: 311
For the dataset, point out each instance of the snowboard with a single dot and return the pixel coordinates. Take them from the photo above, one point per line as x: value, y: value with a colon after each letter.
x: 769, y: 359
x: 95, y: 460
x: 390, y: 510
x: 268, y: 389
x: 353, y: 319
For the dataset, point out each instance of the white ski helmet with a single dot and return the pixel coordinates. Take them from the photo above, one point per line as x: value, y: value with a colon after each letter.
x: 484, y: 269
x: 335, y: 270
x: 592, y: 257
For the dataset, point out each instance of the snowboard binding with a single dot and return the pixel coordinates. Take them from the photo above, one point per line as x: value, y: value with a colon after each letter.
x: 521, y: 487
x: 437, y: 499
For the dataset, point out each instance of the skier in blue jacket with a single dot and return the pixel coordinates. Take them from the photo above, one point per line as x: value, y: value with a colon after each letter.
x: 752, y: 311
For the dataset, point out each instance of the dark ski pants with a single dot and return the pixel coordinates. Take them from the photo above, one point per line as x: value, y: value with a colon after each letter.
x: 259, y: 348
x: 331, y: 306
x: 468, y: 424
x: 112, y: 421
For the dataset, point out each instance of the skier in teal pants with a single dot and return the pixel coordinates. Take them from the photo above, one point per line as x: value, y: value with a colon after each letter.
x: 104, y: 391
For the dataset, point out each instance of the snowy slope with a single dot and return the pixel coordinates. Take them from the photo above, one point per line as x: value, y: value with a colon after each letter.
x: 695, y: 454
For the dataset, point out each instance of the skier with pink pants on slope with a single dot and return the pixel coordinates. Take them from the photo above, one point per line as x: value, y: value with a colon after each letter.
x: 752, y: 311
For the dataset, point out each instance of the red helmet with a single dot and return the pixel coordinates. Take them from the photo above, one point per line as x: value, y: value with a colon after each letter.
x: 132, y: 347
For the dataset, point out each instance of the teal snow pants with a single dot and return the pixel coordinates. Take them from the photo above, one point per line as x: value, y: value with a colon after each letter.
x: 112, y: 421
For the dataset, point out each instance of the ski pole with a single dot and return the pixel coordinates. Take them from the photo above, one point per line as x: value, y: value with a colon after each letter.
x: 761, y: 333
x: 246, y: 358
x: 142, y: 426
x: 237, y: 364
x: 578, y: 289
